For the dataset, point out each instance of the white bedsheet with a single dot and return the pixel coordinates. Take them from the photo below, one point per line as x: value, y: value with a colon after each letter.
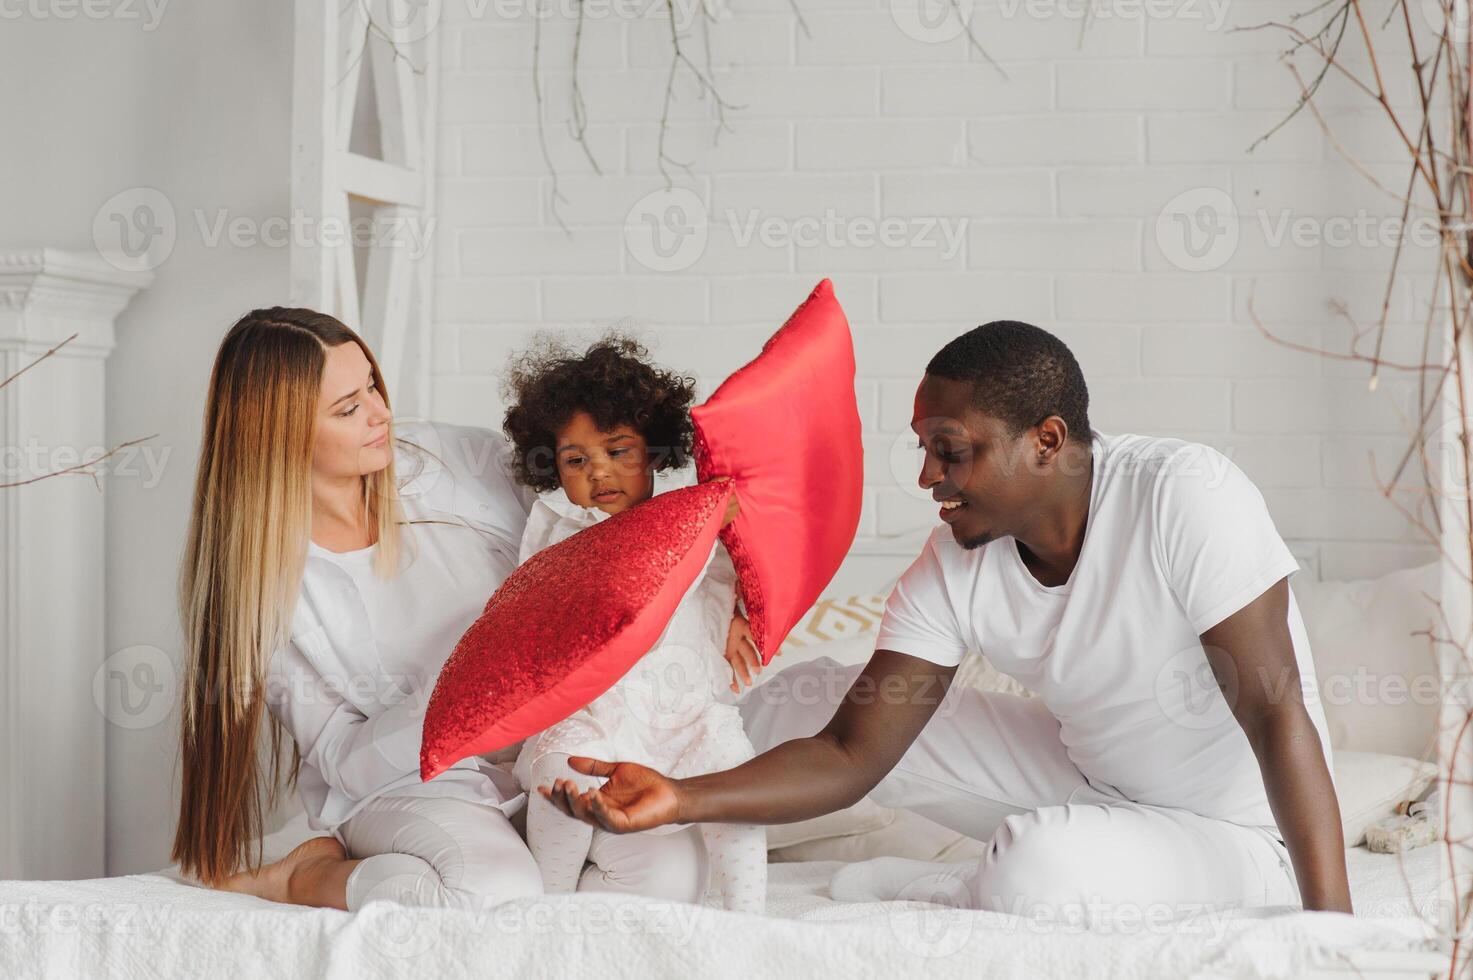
x: 157, y: 925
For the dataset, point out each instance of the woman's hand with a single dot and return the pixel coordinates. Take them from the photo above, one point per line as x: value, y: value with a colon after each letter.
x: 741, y: 653
x: 634, y: 797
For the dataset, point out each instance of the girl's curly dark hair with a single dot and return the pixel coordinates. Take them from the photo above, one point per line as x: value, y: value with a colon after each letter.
x: 611, y: 381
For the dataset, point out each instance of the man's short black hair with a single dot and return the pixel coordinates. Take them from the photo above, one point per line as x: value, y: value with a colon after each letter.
x: 1020, y: 374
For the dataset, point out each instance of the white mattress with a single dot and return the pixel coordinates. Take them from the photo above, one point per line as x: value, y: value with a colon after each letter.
x: 157, y: 925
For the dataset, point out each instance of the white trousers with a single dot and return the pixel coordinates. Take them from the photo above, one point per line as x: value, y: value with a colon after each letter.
x: 448, y: 852
x: 436, y: 851
x: 991, y: 766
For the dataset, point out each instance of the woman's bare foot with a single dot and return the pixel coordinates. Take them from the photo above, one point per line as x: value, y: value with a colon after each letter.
x: 273, y: 881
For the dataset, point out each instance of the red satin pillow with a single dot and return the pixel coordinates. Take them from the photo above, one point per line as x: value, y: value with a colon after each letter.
x: 568, y: 623
x: 786, y: 429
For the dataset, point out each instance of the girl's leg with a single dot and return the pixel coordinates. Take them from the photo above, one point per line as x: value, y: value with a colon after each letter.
x: 432, y: 851
x: 559, y: 843
x: 668, y: 866
x: 738, y: 865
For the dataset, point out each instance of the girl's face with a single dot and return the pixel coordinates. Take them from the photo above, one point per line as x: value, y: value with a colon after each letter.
x: 352, y: 419
x: 607, y: 470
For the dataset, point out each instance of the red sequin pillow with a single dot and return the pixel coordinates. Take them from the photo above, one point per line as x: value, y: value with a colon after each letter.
x: 786, y: 429
x: 568, y: 623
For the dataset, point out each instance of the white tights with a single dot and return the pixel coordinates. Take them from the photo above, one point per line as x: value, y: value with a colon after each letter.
x: 671, y: 866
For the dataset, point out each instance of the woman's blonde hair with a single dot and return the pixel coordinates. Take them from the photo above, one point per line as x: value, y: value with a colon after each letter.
x: 242, y: 569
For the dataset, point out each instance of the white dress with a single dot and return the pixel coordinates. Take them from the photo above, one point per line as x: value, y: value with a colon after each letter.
x: 673, y: 711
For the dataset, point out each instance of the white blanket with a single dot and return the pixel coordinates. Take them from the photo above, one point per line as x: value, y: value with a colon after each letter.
x: 156, y: 925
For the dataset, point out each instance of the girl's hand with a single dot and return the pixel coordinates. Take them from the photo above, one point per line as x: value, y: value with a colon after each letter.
x: 733, y: 506
x: 741, y: 653
x: 633, y: 798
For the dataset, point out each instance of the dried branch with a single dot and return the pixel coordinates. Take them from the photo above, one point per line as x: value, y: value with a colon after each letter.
x: 38, y: 360
x: 1447, y: 176
x: 81, y: 469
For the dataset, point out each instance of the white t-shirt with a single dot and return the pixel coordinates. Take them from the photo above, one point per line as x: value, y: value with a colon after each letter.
x: 1177, y: 540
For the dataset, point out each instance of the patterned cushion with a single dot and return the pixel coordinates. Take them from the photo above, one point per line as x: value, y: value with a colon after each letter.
x: 846, y: 618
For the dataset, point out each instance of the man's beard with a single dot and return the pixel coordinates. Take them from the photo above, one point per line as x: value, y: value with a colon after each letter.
x: 974, y: 542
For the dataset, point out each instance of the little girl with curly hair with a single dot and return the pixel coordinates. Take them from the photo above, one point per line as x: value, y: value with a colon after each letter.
x: 589, y: 432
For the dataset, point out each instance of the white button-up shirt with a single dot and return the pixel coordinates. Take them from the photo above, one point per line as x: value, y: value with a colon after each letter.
x: 352, y: 683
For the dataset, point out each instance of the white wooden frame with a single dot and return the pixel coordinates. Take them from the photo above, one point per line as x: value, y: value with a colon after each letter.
x: 335, y: 41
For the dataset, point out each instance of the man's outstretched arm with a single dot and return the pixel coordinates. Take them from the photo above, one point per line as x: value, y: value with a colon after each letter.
x: 881, y: 715
x: 1252, y: 655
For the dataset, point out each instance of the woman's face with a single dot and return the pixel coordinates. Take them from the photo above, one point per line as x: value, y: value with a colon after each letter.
x: 352, y: 419
x: 607, y: 470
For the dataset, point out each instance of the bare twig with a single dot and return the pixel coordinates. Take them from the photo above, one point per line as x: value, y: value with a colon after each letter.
x: 80, y: 469
x: 38, y: 360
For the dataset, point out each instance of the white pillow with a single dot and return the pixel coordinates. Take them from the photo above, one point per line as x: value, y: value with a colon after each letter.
x: 1378, y: 680
x: 862, y: 818
x: 893, y: 832
x: 1371, y: 784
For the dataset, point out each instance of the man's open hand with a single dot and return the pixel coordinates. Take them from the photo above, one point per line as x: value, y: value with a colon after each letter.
x: 634, y: 798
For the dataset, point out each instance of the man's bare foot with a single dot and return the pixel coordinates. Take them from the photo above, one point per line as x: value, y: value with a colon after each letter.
x: 273, y: 881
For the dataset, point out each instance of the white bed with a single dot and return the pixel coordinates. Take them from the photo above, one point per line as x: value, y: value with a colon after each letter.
x: 158, y: 925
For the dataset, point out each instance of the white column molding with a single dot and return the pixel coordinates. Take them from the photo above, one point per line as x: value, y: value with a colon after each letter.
x: 52, y: 731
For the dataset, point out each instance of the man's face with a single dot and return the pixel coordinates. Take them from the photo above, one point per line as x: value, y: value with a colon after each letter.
x: 971, y: 459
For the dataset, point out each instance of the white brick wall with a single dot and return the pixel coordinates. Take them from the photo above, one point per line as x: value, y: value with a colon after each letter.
x: 1058, y: 170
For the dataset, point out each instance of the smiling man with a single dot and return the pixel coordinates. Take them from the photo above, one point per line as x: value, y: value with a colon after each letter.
x: 1171, y: 759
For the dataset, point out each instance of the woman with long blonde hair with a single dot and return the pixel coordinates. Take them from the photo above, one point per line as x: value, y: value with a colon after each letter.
x: 316, y: 587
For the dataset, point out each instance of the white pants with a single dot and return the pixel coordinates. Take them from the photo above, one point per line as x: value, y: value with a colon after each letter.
x: 442, y: 851
x: 436, y: 851
x: 991, y: 766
